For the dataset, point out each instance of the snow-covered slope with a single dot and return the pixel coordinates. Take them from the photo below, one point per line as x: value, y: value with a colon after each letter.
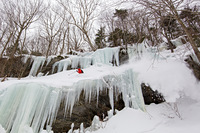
x: 160, y: 118
x: 26, y: 104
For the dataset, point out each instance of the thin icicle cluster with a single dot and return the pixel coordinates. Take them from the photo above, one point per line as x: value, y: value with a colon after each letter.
x: 108, y: 56
x: 28, y: 106
x: 62, y: 65
x: 37, y: 63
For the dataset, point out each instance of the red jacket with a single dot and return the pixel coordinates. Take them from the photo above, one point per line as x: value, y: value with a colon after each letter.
x: 79, y: 71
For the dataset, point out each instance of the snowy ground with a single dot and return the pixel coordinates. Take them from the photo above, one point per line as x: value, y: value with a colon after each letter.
x: 165, y: 72
x: 158, y: 119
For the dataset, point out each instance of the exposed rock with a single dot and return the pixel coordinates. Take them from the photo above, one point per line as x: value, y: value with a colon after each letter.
x: 14, y: 67
x: 151, y: 96
x: 47, y: 69
x: 123, y: 56
x: 83, y: 112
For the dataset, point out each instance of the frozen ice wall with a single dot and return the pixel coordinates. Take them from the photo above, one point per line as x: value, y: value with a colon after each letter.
x: 27, y: 106
x: 61, y: 65
x: 138, y: 50
x: 108, y: 56
x: 37, y: 63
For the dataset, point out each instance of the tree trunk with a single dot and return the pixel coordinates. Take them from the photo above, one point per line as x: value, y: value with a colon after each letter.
x: 49, y: 47
x: 194, y: 47
x: 169, y: 42
x: 16, y: 44
x: 192, y: 43
x: 4, y: 48
x: 89, y: 41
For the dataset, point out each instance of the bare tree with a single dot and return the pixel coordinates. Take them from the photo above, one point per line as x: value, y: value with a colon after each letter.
x: 137, y: 23
x: 171, y: 7
x: 76, y: 39
x: 51, y: 24
x: 82, y: 13
x: 21, y: 13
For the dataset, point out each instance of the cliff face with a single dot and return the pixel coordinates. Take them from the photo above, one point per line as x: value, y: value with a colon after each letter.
x: 14, y: 67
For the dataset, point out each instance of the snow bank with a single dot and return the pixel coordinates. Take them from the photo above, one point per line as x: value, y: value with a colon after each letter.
x: 160, y: 118
x: 168, y: 73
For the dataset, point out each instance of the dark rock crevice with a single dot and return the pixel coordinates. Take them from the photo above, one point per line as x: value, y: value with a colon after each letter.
x: 83, y: 112
x: 151, y: 96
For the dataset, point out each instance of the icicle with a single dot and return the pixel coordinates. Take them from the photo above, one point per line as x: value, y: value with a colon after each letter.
x: 81, y: 128
x: 38, y: 63
x: 49, y: 60
x: 62, y: 65
x: 25, y: 58
x: 96, y: 124
x: 106, y: 56
x: 31, y: 105
x: 177, y: 42
x: 85, y: 62
x: 28, y: 106
x: 110, y: 114
x: 75, y: 61
x: 71, y: 130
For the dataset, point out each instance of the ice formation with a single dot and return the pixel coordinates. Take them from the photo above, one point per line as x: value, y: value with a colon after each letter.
x: 96, y: 124
x: 108, y: 56
x: 25, y: 58
x: 29, y: 106
x: 61, y: 65
x: 138, y: 50
x: 37, y: 63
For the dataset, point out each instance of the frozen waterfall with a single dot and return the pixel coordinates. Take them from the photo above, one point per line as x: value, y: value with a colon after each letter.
x: 27, y: 106
x: 108, y: 56
x: 37, y: 63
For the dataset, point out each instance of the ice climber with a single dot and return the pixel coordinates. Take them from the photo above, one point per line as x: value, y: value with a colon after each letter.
x: 79, y: 71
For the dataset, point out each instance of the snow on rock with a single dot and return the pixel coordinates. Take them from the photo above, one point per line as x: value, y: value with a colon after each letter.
x: 171, y: 77
x: 127, y: 121
x: 96, y: 124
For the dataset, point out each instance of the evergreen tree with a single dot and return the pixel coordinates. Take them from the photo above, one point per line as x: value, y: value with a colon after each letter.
x: 100, y: 38
x: 122, y: 14
x: 115, y: 37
